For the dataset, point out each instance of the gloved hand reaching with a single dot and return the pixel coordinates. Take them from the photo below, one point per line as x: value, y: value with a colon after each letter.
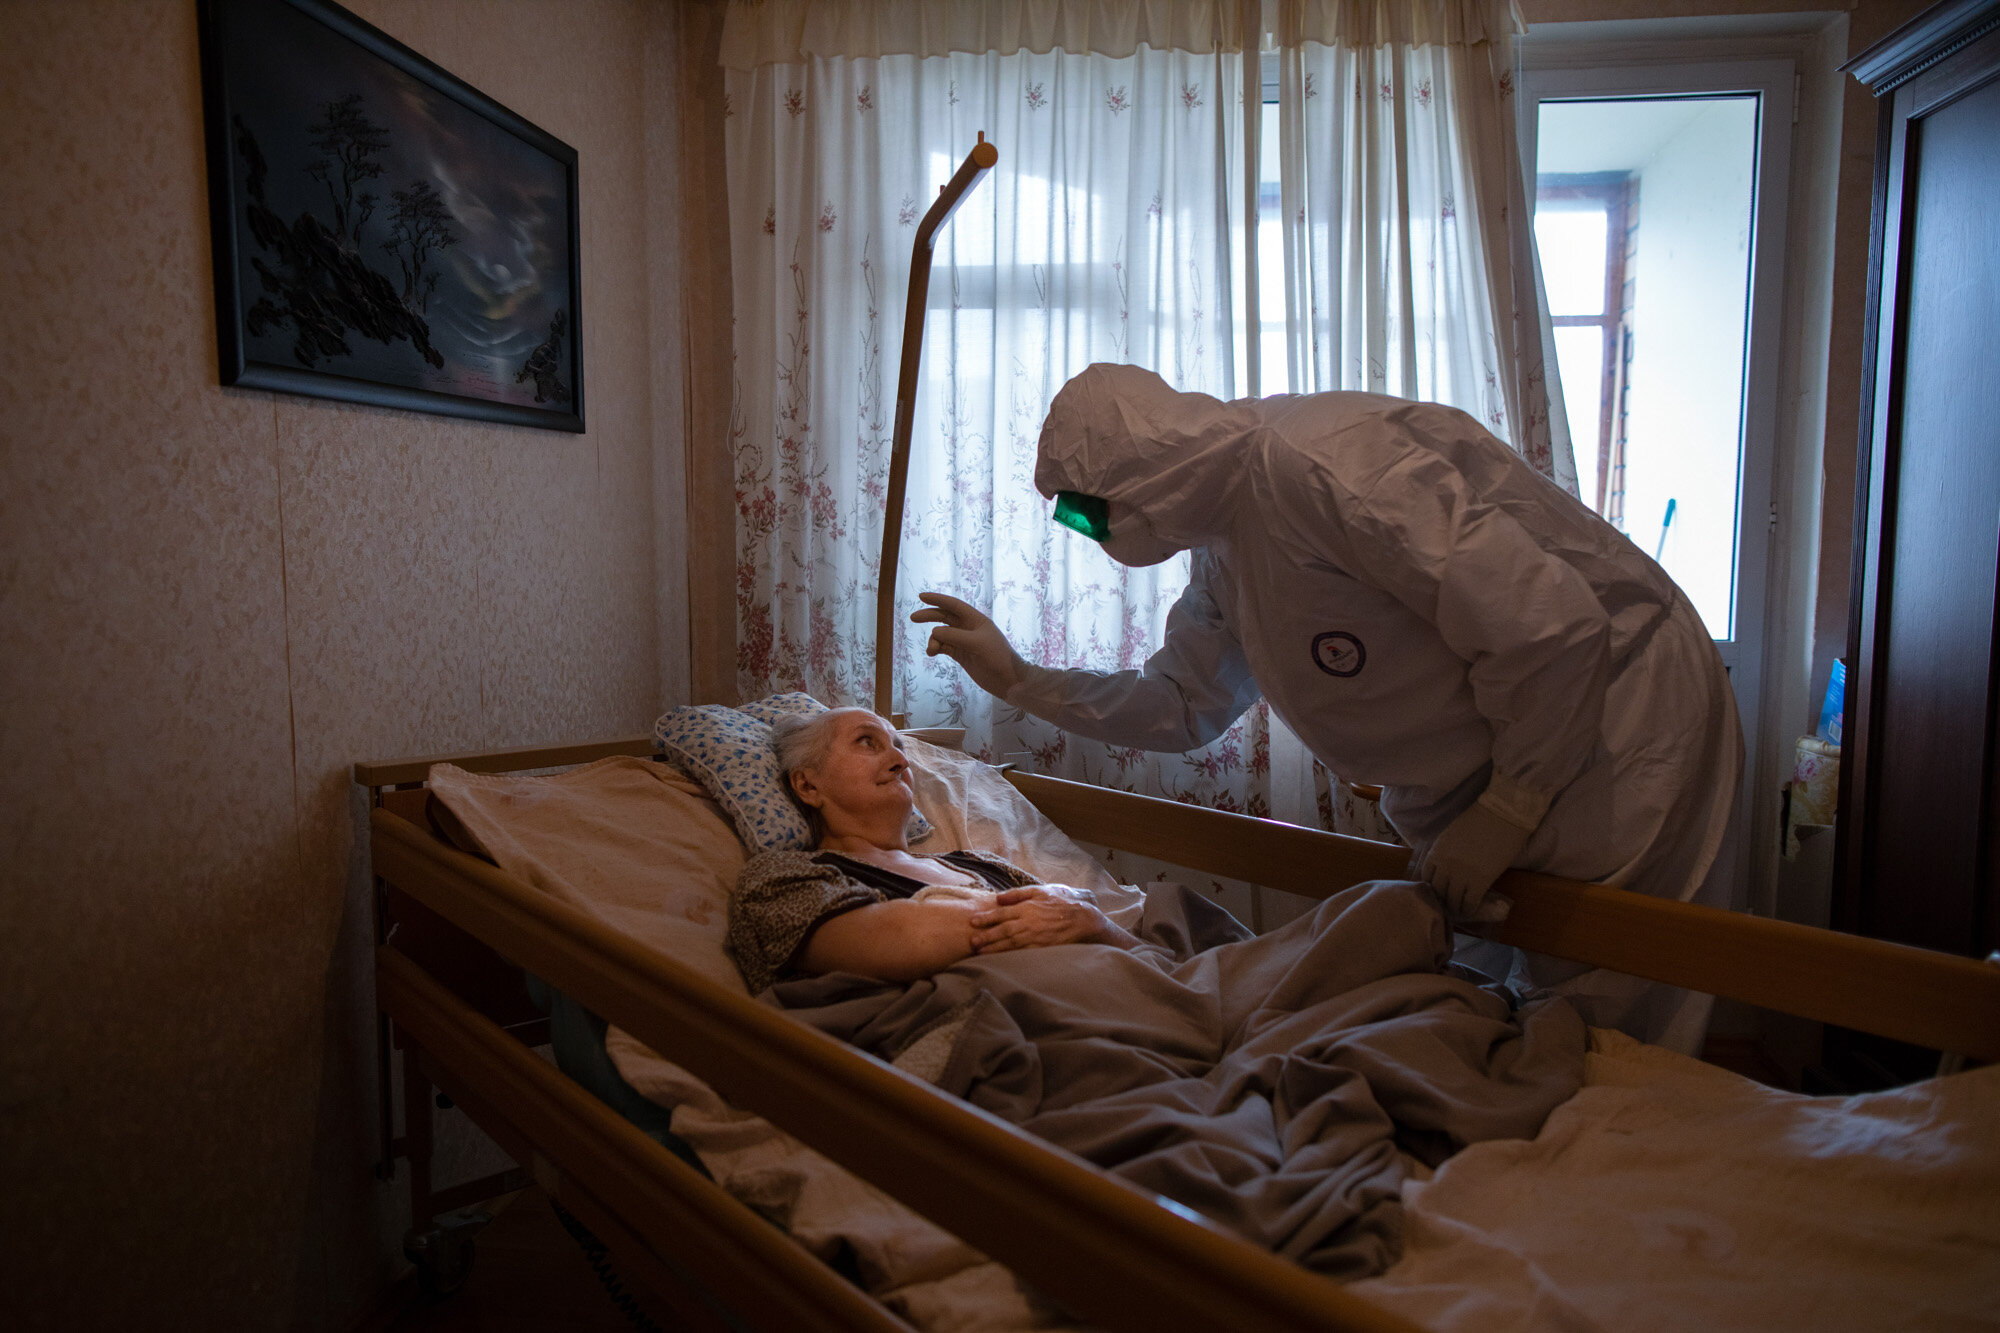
x: 1478, y: 846
x: 968, y: 637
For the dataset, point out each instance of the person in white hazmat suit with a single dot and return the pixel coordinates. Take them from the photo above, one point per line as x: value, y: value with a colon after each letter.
x: 1427, y: 613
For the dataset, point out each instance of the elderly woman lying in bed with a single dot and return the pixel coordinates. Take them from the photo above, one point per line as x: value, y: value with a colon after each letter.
x: 862, y: 902
x: 1283, y: 1084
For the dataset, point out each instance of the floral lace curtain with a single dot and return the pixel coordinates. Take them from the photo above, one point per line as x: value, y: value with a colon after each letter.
x: 1103, y: 234
x: 1111, y: 230
x: 1409, y: 254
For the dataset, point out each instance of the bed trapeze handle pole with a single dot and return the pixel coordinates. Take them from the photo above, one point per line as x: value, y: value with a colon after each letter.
x: 977, y: 163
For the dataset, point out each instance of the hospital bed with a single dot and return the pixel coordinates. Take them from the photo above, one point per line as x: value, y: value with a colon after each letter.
x: 462, y: 936
x: 463, y: 947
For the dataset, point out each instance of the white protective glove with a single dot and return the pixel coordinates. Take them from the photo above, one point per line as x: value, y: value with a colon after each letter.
x: 968, y: 637
x: 1478, y: 846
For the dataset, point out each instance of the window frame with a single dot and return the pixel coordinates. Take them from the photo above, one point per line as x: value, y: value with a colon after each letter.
x: 1609, y: 188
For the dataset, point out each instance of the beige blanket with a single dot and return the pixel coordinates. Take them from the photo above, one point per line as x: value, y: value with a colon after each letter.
x: 632, y: 840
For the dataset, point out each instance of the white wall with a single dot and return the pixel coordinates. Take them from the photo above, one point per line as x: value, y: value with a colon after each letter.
x: 1689, y: 301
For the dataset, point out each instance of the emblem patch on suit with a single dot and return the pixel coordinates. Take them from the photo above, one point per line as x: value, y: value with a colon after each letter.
x: 1339, y: 653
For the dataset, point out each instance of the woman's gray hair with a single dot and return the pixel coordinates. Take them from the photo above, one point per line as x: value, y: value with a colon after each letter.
x: 802, y: 740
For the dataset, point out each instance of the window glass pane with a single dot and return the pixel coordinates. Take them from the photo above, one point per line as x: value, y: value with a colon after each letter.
x: 1580, y: 362
x: 1686, y: 170
x: 1274, y: 365
x: 1571, y: 241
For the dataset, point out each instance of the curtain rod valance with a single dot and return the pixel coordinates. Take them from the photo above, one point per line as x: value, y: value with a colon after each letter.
x: 1363, y: 24
x: 777, y: 32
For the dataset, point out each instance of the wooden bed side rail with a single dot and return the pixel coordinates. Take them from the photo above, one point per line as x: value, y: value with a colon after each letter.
x: 1916, y: 995
x: 1115, y: 1255
x: 534, y: 1111
x: 516, y: 759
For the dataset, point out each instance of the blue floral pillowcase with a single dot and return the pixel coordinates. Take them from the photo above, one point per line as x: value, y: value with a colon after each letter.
x: 729, y: 751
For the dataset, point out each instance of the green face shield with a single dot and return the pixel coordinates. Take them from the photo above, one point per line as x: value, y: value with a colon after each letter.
x: 1085, y: 513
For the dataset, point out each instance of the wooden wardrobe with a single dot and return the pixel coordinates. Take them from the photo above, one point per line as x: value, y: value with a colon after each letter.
x: 1919, y: 854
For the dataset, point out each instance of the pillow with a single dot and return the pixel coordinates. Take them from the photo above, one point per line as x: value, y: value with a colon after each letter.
x: 730, y: 752
x: 794, y: 704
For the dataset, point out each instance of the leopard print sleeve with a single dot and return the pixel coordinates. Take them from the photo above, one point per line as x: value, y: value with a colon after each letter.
x: 780, y: 897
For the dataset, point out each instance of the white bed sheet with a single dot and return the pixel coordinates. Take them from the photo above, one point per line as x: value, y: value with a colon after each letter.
x: 1669, y: 1194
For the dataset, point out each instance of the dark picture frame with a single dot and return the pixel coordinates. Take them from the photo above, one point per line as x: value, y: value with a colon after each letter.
x: 383, y: 232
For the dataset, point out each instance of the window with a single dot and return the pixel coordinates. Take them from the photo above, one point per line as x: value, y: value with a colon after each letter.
x: 1274, y: 353
x: 1581, y: 230
x: 1645, y: 209
x: 1276, y: 356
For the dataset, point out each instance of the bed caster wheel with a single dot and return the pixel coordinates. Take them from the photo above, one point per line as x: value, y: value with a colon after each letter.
x: 443, y: 1258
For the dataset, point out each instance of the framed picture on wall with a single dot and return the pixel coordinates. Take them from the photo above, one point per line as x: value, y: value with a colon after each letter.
x: 383, y: 232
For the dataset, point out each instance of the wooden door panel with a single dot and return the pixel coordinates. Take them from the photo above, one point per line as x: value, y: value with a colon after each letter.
x: 1919, y: 849
x: 1935, y: 668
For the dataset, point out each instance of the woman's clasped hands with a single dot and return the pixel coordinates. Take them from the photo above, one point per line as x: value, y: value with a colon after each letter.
x: 1041, y: 915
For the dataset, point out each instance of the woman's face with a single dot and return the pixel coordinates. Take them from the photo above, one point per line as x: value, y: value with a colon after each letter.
x: 864, y: 781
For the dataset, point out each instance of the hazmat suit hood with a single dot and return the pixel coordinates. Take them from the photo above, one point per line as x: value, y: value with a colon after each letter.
x: 1169, y: 464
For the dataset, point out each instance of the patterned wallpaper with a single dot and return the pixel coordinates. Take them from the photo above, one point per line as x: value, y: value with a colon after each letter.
x: 213, y: 602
